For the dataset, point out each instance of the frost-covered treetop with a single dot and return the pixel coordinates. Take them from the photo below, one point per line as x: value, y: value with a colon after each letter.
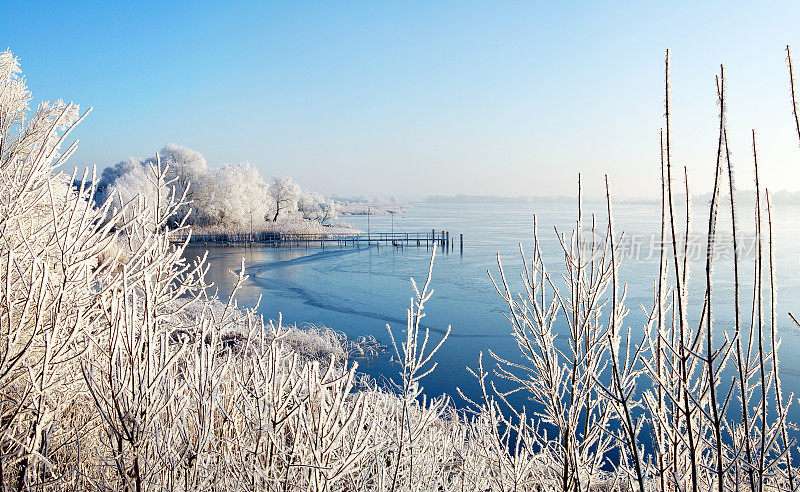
x: 14, y: 95
x: 18, y: 138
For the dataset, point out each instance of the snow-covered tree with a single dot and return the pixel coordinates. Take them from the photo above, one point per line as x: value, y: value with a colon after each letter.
x: 285, y: 194
x: 329, y: 211
x: 187, y: 171
x: 316, y: 207
x: 308, y: 203
x: 188, y: 167
x: 235, y: 196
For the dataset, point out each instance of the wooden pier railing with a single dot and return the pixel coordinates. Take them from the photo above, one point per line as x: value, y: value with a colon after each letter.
x: 432, y: 238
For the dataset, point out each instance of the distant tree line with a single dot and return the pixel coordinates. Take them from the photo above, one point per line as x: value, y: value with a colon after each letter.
x: 235, y: 196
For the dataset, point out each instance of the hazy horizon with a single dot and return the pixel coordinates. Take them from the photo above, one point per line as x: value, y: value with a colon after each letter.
x: 397, y: 99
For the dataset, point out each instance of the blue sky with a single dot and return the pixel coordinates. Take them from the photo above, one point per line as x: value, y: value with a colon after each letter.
x: 414, y: 98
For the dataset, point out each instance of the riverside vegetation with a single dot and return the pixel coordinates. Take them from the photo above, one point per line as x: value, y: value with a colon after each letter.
x: 232, y: 199
x: 120, y: 370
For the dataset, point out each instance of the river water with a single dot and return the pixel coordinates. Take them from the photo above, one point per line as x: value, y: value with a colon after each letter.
x: 358, y: 291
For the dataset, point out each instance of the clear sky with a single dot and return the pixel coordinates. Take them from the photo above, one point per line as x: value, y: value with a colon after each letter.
x: 416, y: 98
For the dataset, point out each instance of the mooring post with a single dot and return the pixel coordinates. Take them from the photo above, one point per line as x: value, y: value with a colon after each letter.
x: 461, y: 241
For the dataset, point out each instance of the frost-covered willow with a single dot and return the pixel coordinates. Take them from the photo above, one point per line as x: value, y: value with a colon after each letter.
x: 120, y: 371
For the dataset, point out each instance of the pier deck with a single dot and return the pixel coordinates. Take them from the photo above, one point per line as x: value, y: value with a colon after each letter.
x: 432, y: 238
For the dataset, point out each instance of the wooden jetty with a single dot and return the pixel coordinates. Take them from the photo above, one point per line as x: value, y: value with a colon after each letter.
x: 399, y: 239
